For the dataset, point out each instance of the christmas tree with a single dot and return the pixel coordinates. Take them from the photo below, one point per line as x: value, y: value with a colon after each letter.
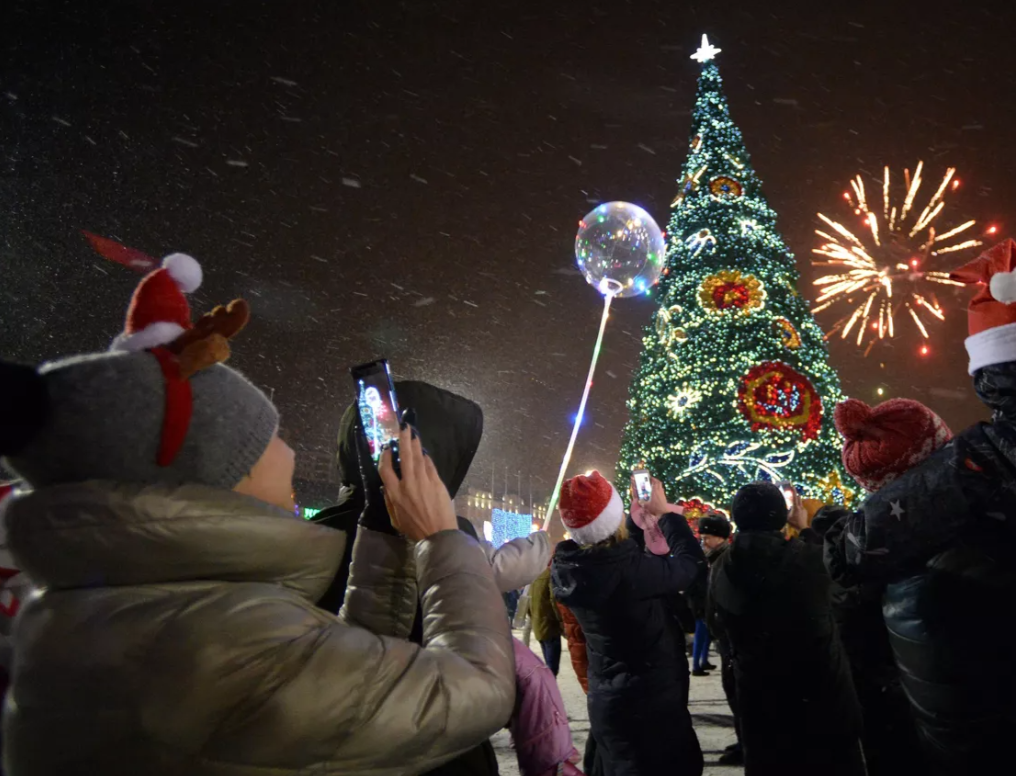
x: 734, y: 383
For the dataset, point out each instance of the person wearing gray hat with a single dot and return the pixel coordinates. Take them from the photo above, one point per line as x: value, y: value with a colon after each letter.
x: 174, y: 629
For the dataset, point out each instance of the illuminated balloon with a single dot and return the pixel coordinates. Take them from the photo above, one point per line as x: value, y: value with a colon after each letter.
x: 620, y: 249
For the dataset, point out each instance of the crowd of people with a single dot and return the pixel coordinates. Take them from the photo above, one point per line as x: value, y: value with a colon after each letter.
x: 173, y: 615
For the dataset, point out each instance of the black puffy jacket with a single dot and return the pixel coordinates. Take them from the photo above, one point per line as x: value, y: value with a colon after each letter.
x: 889, y: 737
x: 769, y: 602
x: 637, y: 669
x: 941, y: 539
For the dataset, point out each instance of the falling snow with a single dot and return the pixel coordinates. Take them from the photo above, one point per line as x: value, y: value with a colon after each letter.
x: 322, y: 171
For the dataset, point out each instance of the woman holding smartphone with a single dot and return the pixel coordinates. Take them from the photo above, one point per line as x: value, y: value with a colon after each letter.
x: 637, y: 710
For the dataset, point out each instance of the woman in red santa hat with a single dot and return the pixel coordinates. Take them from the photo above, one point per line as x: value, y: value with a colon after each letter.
x: 637, y: 668
x: 939, y: 536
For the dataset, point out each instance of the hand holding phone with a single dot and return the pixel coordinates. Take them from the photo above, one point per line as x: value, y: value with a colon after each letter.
x: 417, y: 500
x: 643, y: 482
x: 789, y: 491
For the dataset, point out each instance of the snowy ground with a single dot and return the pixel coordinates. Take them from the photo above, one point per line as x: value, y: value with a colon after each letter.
x: 709, y: 712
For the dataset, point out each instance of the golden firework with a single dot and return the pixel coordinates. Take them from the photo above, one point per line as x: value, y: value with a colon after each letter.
x: 891, y: 255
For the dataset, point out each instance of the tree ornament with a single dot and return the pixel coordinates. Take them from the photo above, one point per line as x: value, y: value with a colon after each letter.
x: 688, y: 186
x: 665, y: 325
x: 700, y: 241
x: 774, y: 395
x: 725, y: 187
x: 680, y: 402
x: 730, y: 290
x: 787, y: 333
x: 834, y: 490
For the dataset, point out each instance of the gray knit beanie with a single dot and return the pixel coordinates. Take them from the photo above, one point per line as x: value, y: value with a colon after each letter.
x: 104, y: 421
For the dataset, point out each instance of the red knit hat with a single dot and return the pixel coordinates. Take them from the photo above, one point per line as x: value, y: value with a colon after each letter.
x: 159, y: 312
x: 590, y: 508
x: 883, y: 442
x: 991, y: 314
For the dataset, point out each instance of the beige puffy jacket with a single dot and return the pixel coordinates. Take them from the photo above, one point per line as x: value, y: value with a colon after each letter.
x: 176, y: 633
x: 518, y: 562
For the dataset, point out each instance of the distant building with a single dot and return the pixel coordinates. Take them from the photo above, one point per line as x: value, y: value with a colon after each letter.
x: 495, y: 517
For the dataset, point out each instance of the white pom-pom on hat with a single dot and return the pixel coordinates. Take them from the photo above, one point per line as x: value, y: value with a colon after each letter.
x: 184, y: 270
x: 1003, y: 287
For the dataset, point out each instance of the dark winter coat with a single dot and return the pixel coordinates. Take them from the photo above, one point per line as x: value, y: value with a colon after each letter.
x: 678, y: 605
x: 769, y: 602
x: 889, y: 737
x: 637, y: 711
x: 698, y: 594
x: 451, y: 427
x: 942, y: 540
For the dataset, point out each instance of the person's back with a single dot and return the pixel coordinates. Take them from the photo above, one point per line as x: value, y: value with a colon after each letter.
x: 769, y: 601
x: 617, y: 593
x: 941, y: 539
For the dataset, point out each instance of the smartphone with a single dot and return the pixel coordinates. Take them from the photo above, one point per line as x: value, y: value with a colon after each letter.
x: 643, y: 485
x: 379, y: 409
x: 789, y: 491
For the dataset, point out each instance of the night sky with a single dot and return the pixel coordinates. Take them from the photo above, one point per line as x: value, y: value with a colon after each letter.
x: 405, y: 179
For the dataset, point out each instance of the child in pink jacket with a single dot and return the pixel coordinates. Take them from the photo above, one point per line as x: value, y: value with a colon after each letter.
x: 539, y: 725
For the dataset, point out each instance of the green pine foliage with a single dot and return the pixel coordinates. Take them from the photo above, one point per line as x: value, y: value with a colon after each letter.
x: 734, y: 382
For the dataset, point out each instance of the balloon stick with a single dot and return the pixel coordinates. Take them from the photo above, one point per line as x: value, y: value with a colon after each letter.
x: 607, y: 299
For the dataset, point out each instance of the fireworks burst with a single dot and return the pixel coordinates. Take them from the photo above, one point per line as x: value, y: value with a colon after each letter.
x: 886, y: 264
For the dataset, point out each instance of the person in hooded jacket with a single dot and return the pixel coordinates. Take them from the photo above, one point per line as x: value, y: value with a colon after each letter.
x: 637, y: 712
x: 453, y: 427
x: 769, y: 602
x: 940, y: 538
x: 174, y: 630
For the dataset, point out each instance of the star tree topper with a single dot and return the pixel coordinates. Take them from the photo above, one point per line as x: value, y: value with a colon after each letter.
x: 706, y: 51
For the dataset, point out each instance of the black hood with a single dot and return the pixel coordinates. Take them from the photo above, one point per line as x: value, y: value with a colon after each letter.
x: 450, y: 426
x: 586, y: 578
x: 827, y: 517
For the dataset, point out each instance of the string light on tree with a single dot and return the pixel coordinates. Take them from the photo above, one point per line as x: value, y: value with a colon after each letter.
x: 886, y: 268
x: 734, y: 382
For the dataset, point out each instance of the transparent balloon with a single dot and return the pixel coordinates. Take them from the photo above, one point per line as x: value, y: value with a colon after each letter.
x: 620, y: 249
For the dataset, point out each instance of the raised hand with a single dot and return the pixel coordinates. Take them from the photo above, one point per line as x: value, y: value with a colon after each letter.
x: 418, y: 504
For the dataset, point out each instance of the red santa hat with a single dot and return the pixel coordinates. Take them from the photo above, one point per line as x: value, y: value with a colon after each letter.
x: 159, y: 312
x: 991, y: 314
x: 590, y: 508
x: 880, y: 443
